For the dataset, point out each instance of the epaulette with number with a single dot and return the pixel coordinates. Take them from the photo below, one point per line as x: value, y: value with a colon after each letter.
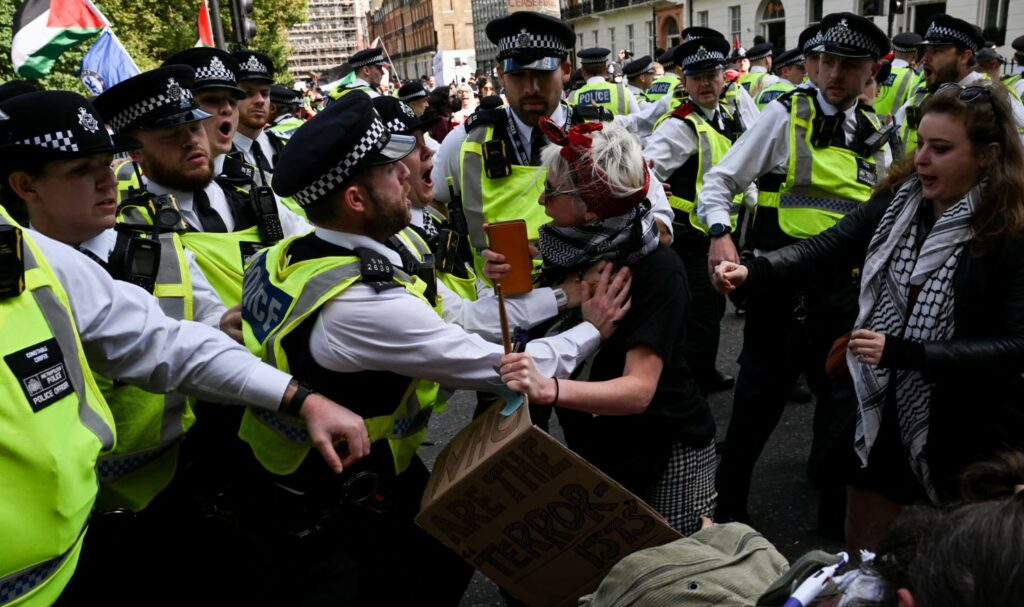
x: 375, y: 270
x: 496, y: 117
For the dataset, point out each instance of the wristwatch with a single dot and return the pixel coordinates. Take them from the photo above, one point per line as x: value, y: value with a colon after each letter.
x: 719, y: 229
x: 561, y: 299
x: 293, y: 406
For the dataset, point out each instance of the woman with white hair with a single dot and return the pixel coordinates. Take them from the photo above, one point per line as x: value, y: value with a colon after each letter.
x: 638, y: 416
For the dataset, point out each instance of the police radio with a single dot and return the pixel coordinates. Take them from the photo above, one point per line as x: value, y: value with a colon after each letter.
x: 12, y: 262
x: 268, y: 221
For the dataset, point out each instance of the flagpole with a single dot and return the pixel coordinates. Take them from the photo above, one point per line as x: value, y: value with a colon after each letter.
x: 388, y: 55
x: 218, y: 28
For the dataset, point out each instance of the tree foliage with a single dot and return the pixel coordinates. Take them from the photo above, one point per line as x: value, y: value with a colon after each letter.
x: 153, y: 30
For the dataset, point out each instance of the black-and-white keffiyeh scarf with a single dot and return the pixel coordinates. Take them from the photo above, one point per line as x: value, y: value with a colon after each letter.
x: 623, y: 240
x: 895, y: 262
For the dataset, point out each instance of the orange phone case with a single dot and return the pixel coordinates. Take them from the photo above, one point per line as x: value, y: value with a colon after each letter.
x: 509, y: 239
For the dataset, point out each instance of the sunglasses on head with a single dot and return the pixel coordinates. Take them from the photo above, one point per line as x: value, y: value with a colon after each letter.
x: 967, y: 94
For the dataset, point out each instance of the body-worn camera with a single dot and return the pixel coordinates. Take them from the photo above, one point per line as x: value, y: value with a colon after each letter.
x: 12, y: 262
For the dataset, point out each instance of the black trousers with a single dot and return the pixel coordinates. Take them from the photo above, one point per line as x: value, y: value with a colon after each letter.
x: 786, y: 333
x: 707, y: 307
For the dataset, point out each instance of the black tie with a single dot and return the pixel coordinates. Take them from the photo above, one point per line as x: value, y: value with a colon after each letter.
x: 536, y: 143
x: 261, y: 160
x: 209, y: 219
x: 94, y: 257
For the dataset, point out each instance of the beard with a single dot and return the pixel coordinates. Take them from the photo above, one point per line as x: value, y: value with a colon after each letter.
x: 948, y: 73
x: 387, y: 218
x: 170, y: 177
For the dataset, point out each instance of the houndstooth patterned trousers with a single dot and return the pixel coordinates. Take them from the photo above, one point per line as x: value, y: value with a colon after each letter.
x: 686, y: 490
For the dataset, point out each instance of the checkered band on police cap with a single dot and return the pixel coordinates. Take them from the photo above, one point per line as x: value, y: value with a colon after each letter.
x: 252, y: 64
x: 175, y: 94
x: 942, y: 31
x: 549, y: 44
x: 372, y: 58
x: 702, y: 55
x: 215, y: 71
x: 812, y: 42
x: 373, y: 140
x: 841, y: 34
x: 63, y: 141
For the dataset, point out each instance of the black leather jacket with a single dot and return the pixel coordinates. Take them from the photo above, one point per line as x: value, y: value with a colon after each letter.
x: 978, y: 394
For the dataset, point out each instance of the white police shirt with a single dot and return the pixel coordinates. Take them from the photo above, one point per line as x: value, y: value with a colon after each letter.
x: 291, y: 224
x: 672, y: 144
x: 207, y: 307
x: 762, y: 149
x: 126, y: 337
x: 447, y: 160
x: 361, y: 329
x: 245, y: 143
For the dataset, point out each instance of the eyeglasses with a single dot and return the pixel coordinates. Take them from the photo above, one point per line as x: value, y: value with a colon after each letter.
x: 967, y: 94
x: 550, y: 192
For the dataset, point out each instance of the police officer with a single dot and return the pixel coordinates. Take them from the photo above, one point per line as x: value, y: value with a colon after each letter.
x: 64, y: 316
x: 338, y: 306
x: 902, y: 77
x: 810, y: 44
x: 225, y: 225
x: 789, y: 67
x: 492, y: 159
x: 597, y: 90
x: 950, y: 45
x: 840, y: 157
x: 667, y: 83
x: 759, y: 75
x: 1014, y: 81
x: 216, y: 92
x: 368, y: 65
x: 640, y: 74
x: 683, y: 148
x: 414, y: 95
x: 255, y: 75
x: 284, y: 113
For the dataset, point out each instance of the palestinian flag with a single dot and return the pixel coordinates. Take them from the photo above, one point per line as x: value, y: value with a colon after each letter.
x: 43, y: 29
x: 205, y: 27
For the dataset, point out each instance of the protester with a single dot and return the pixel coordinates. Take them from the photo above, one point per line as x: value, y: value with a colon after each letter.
x: 640, y: 417
x: 941, y: 292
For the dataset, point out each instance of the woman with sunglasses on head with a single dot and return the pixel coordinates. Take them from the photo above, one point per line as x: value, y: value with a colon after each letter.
x: 639, y: 416
x: 937, y: 351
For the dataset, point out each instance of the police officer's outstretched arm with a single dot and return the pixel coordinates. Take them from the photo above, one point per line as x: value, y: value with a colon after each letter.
x: 126, y: 337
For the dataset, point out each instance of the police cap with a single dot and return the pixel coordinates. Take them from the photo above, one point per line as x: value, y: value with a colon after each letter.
x: 702, y: 55
x: 594, y: 56
x: 944, y: 30
x: 639, y: 66
x: 55, y: 125
x: 810, y: 40
x: 254, y: 66
x: 215, y: 69
x: 334, y: 146
x: 906, y: 42
x: 368, y: 56
x: 155, y: 99
x: 283, y: 96
x: 850, y: 35
x: 412, y: 90
x: 790, y: 57
x: 397, y: 116
x: 698, y: 31
x: 760, y: 51
x: 1018, y: 44
x: 667, y: 59
x: 530, y: 41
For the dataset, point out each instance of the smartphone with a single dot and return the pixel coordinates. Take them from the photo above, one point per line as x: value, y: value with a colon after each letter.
x: 509, y: 239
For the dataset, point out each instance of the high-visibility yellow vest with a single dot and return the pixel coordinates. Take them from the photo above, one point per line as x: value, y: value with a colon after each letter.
x: 663, y: 86
x: 773, y: 92
x: 279, y: 296
x: 609, y: 95
x: 54, y: 423
x: 486, y: 200
x: 894, y: 91
x: 149, y: 426
x: 753, y: 82
x: 822, y: 183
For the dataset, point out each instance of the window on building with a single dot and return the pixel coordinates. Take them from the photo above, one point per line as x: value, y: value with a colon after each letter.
x: 595, y: 37
x: 579, y: 40
x: 702, y: 18
x: 814, y: 11
x: 650, y: 39
x: 994, y: 20
x: 735, y: 23
x: 871, y: 8
x: 629, y: 38
x: 611, y: 39
x: 670, y: 32
x: 773, y: 23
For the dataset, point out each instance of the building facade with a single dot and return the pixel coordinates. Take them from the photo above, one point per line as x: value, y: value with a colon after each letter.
x: 413, y: 31
x: 485, y: 11
x: 334, y: 30
x: 644, y: 26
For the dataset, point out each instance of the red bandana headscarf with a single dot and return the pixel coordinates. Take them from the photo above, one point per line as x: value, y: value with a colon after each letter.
x: 590, y: 181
